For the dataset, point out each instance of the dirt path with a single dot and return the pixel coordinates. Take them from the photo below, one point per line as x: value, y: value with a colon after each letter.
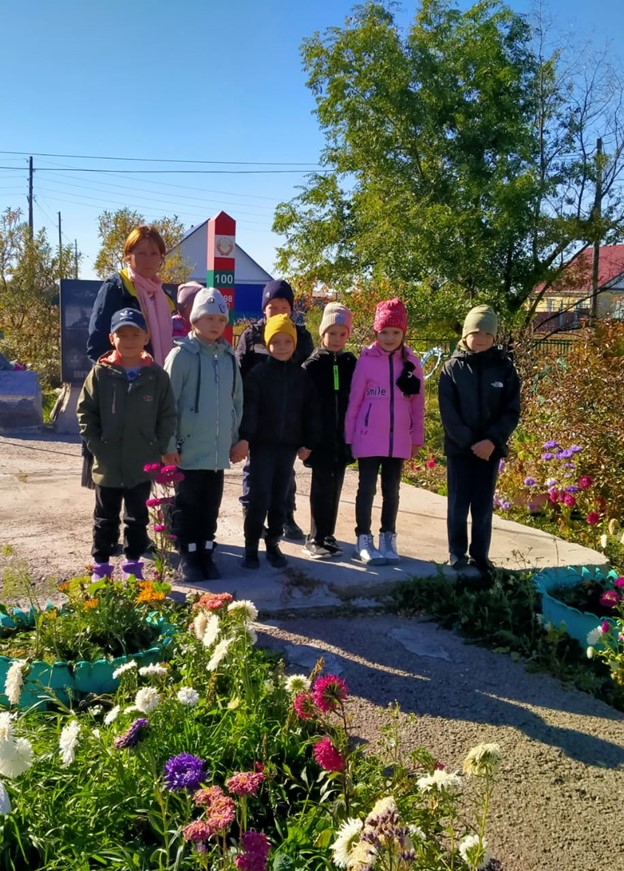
x: 559, y: 804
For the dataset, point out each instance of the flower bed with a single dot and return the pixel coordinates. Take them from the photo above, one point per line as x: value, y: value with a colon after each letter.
x: 578, y: 624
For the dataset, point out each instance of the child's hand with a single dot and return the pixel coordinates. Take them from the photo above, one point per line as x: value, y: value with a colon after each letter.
x: 172, y: 459
x: 239, y: 451
x: 304, y: 453
x: 483, y: 449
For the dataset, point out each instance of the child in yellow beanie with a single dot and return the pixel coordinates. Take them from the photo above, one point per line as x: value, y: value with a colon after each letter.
x: 280, y: 423
x: 479, y: 396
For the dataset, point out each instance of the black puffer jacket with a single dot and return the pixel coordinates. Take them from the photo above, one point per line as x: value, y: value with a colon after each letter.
x: 333, y: 390
x: 251, y: 350
x: 281, y: 406
x: 479, y: 396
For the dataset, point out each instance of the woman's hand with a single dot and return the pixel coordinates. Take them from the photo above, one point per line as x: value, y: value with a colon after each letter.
x: 304, y: 453
x: 172, y: 459
x: 239, y: 451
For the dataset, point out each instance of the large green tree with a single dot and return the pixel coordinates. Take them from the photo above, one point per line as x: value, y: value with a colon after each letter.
x: 113, y: 229
x: 459, y: 160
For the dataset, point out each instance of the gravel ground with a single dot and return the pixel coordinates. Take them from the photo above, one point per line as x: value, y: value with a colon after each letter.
x: 560, y: 798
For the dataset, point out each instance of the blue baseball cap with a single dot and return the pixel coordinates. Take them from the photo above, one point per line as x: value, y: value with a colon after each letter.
x: 128, y: 317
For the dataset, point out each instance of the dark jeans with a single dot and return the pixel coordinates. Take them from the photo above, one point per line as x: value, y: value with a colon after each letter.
x: 368, y: 469
x: 270, y: 471
x: 471, y: 485
x: 325, y: 489
x: 108, y: 503
x: 197, y: 503
x: 292, y: 490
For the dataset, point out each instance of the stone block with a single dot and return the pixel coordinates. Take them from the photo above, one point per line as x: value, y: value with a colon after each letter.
x: 20, y: 401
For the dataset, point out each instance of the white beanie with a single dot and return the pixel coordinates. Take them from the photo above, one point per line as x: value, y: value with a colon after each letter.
x: 335, y: 314
x: 208, y: 301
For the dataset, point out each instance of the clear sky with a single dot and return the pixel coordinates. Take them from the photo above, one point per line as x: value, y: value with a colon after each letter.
x: 192, y: 80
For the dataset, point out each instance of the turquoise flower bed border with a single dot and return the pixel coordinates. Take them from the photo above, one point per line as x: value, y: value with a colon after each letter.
x: 45, y: 681
x: 577, y: 623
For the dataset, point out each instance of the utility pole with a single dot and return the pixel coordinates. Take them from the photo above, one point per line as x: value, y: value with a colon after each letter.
x: 60, y: 247
x: 30, y: 197
x: 76, y: 259
x: 596, y: 213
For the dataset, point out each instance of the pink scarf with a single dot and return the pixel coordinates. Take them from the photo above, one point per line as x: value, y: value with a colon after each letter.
x: 154, y: 305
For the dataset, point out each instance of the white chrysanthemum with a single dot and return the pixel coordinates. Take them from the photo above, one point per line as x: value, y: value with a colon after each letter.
x: 381, y: 807
x: 147, y: 700
x: 157, y: 669
x: 112, y: 715
x: 219, y: 653
x: 6, y: 726
x: 243, y: 608
x: 604, y: 540
x: 212, y: 630
x: 362, y: 857
x: 127, y: 666
x: 200, y: 621
x: 472, y: 849
x: 440, y: 779
x: 16, y: 757
x: 251, y: 632
x: 96, y: 733
x: 484, y: 760
x: 68, y: 741
x: 348, y: 836
x: 297, y: 683
x: 187, y: 696
x: 5, y: 800
x: 15, y: 681
x: 594, y: 636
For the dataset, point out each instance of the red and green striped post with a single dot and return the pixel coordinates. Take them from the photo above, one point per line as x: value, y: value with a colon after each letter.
x: 220, y: 265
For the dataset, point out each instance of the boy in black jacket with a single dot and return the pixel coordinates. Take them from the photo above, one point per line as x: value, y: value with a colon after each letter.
x: 331, y: 368
x: 479, y: 396
x: 280, y: 422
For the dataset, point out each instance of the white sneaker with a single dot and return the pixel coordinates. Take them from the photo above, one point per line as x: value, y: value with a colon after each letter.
x: 387, y: 547
x: 366, y: 551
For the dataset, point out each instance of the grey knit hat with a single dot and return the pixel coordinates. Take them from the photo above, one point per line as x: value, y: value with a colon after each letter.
x: 481, y: 317
x: 209, y: 301
x: 335, y: 313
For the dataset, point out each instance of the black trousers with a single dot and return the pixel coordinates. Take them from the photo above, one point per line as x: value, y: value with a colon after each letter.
x: 471, y: 486
x: 108, y: 504
x: 368, y: 469
x: 325, y: 490
x: 270, y: 472
x: 197, y: 503
x: 291, y: 503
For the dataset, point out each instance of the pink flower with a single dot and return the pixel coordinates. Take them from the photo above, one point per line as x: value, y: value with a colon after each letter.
x: 585, y: 482
x: 220, y: 809
x: 153, y: 501
x: 605, y: 627
x: 204, y: 797
x: 553, y: 495
x: 327, y: 756
x: 256, y: 848
x: 329, y: 692
x: 430, y: 462
x: 152, y: 467
x: 618, y: 583
x: 305, y: 707
x: 610, y: 599
x: 159, y: 527
x: 198, y: 831
x: 245, y: 782
x: 569, y: 499
x: 593, y: 517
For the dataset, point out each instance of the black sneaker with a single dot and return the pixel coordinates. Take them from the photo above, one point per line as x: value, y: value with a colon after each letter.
x: 332, y: 546
x: 459, y: 562
x: 275, y: 557
x: 209, y: 569
x: 292, y: 532
x: 250, y: 560
x: 315, y: 550
x: 190, y: 568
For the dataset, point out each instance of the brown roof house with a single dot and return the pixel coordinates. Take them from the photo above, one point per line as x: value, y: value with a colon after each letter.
x: 566, y: 303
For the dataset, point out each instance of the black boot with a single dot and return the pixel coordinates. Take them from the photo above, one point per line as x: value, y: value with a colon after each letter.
x: 209, y: 569
x: 292, y: 532
x: 274, y: 555
x: 190, y: 568
x: 250, y: 557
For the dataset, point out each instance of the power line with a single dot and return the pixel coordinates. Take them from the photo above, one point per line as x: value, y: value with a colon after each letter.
x: 178, y: 171
x: 161, y: 160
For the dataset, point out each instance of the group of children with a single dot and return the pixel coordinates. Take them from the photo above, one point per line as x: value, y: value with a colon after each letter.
x: 211, y: 406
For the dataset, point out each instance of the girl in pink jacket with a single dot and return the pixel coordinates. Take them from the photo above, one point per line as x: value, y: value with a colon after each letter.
x: 384, y: 425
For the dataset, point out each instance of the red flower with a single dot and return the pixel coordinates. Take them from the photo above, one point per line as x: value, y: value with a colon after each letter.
x: 569, y: 499
x: 585, y: 482
x: 610, y: 599
x: 593, y: 517
x: 327, y: 756
x: 430, y: 462
x: 329, y: 692
x: 244, y: 782
x: 305, y: 707
x: 553, y: 495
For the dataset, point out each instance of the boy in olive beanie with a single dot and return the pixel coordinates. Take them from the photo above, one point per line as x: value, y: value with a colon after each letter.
x: 479, y: 396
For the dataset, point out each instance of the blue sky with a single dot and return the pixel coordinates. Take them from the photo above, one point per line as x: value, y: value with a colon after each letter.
x: 198, y: 80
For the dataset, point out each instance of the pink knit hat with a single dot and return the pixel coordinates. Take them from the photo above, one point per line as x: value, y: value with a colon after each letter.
x: 390, y: 313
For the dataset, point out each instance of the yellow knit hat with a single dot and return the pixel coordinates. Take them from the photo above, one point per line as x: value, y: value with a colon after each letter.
x: 279, y: 324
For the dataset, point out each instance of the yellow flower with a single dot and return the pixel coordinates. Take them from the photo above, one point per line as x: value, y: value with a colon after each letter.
x: 91, y: 603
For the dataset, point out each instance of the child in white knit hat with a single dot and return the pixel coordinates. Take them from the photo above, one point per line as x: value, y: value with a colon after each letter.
x: 209, y: 393
x: 331, y: 368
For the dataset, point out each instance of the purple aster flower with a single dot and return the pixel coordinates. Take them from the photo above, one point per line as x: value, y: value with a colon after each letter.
x: 563, y: 455
x: 501, y: 464
x: 505, y: 505
x: 131, y: 737
x: 572, y: 489
x: 551, y: 482
x: 575, y: 449
x: 547, y: 456
x: 529, y: 482
x: 184, y: 771
x: 569, y: 466
x: 549, y: 445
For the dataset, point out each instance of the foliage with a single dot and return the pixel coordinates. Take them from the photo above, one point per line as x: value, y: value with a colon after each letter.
x: 29, y: 315
x: 114, y: 228
x: 507, y: 619
x: 217, y: 760
x: 606, y: 642
x: 574, y: 402
x: 459, y: 158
